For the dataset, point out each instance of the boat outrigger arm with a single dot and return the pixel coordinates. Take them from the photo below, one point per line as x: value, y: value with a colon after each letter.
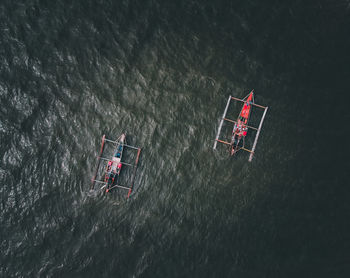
x: 217, y: 140
x: 101, y: 158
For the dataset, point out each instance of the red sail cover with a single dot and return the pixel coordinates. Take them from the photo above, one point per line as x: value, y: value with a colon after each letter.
x: 246, y: 108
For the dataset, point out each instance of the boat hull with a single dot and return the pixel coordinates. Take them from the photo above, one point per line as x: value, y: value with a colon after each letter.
x: 114, y: 165
x: 240, y: 128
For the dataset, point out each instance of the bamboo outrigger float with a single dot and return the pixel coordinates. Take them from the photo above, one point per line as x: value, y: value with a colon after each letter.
x: 241, y: 126
x: 114, y: 165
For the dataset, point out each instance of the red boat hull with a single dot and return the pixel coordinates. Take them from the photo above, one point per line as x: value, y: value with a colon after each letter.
x: 240, y: 128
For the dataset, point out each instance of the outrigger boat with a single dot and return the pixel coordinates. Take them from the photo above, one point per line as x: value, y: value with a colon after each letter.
x: 240, y: 128
x: 113, y: 167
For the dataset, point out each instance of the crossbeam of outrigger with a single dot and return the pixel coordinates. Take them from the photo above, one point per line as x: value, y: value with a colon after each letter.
x: 241, y: 125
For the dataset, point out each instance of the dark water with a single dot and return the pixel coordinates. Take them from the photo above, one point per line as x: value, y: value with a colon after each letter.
x: 161, y: 71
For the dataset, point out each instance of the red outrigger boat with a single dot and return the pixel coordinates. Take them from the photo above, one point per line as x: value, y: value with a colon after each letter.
x: 113, y: 166
x: 240, y: 128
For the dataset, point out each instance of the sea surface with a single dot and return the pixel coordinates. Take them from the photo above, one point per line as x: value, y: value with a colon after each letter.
x: 161, y: 71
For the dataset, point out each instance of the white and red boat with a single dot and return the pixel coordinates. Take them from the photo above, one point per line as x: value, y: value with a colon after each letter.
x: 241, y: 127
x: 113, y: 166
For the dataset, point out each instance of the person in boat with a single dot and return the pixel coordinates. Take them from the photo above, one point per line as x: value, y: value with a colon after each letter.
x: 111, y: 178
x: 238, y: 129
x: 109, y: 166
x: 245, y: 130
